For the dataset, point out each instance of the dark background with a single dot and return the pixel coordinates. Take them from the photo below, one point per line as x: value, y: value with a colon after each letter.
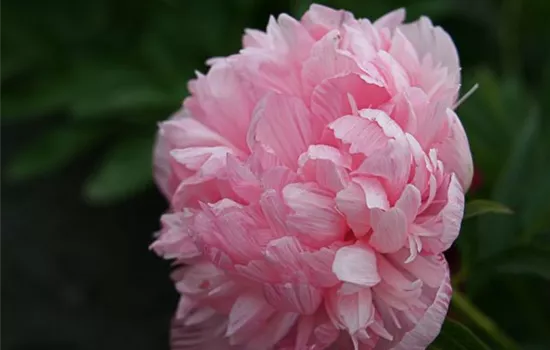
x: 84, y: 84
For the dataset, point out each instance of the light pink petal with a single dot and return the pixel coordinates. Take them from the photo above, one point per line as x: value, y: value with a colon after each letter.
x: 433, y: 41
x: 429, y: 326
x: 222, y: 101
x: 199, y: 316
x: 444, y: 216
x: 351, y: 311
x: 318, y: 264
x: 330, y: 99
x: 429, y: 269
x: 283, y: 124
x: 357, y: 198
x: 361, y: 134
x: 356, y: 264
x: 391, y: 19
x: 326, y: 166
x: 396, y: 78
x: 241, y: 179
x: 455, y: 153
x: 247, y: 314
x: 284, y: 253
x: 206, y: 336
x: 304, y: 330
x: 275, y: 211
x: 197, y: 190
x: 326, y: 333
x: 391, y: 164
x: 320, y: 19
x: 175, y: 240
x: 273, y: 331
x: 404, y: 52
x: 180, y: 131
x: 389, y: 229
x: 293, y: 297
x: 327, y: 61
x: 409, y: 202
x: 314, y: 219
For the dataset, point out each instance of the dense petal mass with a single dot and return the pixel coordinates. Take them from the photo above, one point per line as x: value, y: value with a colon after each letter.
x: 314, y: 180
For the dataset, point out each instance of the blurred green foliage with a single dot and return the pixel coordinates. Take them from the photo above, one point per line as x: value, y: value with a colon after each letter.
x: 101, y: 74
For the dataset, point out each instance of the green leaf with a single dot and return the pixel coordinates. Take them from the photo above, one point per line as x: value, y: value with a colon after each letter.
x: 456, y: 336
x: 53, y: 150
x: 532, y: 260
x: 497, y: 233
x: 482, y: 206
x: 125, y: 170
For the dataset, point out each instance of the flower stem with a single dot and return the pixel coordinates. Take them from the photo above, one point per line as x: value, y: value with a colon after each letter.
x: 462, y: 303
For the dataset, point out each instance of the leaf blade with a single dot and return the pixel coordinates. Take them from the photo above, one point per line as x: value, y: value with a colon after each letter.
x: 481, y: 206
x: 456, y: 336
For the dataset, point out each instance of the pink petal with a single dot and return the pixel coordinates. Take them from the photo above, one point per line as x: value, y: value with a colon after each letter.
x: 206, y: 336
x: 273, y: 331
x: 357, y: 198
x: 391, y: 19
x: 330, y: 99
x: 434, y: 41
x: 327, y: 61
x: 362, y: 135
x: 391, y: 164
x: 175, y: 240
x: 318, y: 264
x: 356, y: 264
x: 315, y: 219
x: 389, y: 229
x: 429, y: 326
x: 294, y: 297
x: 326, y: 166
x: 241, y: 179
x: 304, y: 331
x: 282, y: 123
x: 247, y: 313
x: 455, y: 153
x: 320, y: 19
x: 430, y: 269
x: 222, y: 101
x: 351, y: 312
x: 409, y: 202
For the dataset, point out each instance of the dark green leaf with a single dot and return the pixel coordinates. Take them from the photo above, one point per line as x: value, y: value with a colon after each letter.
x: 481, y: 206
x: 53, y: 150
x: 498, y: 233
x: 125, y: 170
x: 532, y: 260
x: 456, y: 336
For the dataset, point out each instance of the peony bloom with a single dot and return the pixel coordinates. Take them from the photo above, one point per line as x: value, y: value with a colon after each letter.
x: 315, y: 179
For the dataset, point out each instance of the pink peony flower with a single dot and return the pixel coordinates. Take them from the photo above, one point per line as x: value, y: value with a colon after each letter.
x: 315, y: 178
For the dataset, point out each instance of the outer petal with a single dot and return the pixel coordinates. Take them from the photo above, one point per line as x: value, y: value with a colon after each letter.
x: 320, y: 19
x: 181, y: 131
x: 428, y: 327
x: 391, y: 20
x: 428, y: 39
x: 223, y: 101
x: 455, y: 153
x: 205, y: 336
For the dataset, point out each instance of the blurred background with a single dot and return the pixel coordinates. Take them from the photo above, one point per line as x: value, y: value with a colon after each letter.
x: 84, y: 84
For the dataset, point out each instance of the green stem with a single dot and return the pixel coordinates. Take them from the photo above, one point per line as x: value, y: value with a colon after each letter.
x: 462, y: 303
